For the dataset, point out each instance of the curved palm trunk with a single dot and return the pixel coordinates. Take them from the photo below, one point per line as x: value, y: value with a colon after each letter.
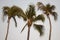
x: 50, y: 28
x: 7, y: 29
x: 28, y: 33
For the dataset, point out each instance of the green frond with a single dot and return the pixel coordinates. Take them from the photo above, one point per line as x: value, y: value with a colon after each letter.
x: 52, y: 7
x: 18, y: 11
x: 39, y: 28
x: 24, y: 16
x: 48, y: 5
x: 5, y: 12
x: 40, y: 5
x: 54, y: 14
x: 48, y: 8
x: 6, y: 8
x: 30, y: 12
x: 15, y: 21
x: 40, y: 17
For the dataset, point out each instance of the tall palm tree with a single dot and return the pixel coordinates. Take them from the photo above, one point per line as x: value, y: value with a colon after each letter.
x: 48, y: 10
x: 31, y: 17
x: 11, y: 12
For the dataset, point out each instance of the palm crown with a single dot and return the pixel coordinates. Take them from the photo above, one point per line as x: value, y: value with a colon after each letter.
x: 12, y: 12
x: 47, y: 9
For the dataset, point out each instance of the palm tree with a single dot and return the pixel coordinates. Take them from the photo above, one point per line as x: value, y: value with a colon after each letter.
x: 11, y: 12
x: 48, y: 10
x: 31, y: 17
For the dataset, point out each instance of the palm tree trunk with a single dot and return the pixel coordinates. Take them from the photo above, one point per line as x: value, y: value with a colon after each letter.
x: 7, y: 29
x: 50, y: 28
x: 28, y: 33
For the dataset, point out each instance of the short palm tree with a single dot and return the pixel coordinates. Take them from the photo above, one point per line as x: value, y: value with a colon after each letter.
x: 11, y: 12
x: 31, y: 17
x: 48, y: 10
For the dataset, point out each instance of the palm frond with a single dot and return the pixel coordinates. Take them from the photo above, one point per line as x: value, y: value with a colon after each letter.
x: 24, y: 16
x: 16, y: 9
x: 48, y: 5
x: 39, y: 28
x: 40, y: 17
x: 19, y: 12
x: 15, y: 21
x: 6, y: 8
x: 5, y: 11
x: 52, y: 7
x: 40, y: 5
x: 31, y: 11
x: 55, y: 15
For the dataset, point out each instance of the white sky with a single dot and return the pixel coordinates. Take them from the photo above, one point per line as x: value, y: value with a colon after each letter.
x: 14, y: 33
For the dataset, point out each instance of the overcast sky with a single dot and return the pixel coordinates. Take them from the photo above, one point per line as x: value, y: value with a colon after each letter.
x: 14, y: 33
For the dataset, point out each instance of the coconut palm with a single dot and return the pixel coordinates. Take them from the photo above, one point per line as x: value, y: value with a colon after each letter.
x: 31, y: 17
x: 48, y: 10
x: 11, y: 12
